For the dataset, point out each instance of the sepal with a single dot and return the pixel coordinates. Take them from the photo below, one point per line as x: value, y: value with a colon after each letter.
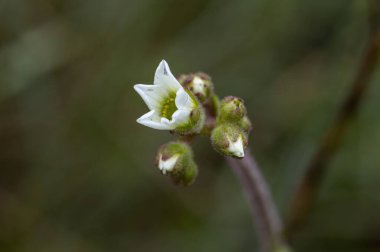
x: 246, y: 124
x: 194, y: 124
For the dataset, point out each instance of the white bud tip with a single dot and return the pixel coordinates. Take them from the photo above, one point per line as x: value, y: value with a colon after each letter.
x: 236, y: 148
x: 198, y: 85
x: 168, y: 164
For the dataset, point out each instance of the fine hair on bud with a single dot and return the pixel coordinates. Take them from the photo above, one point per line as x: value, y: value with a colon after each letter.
x: 229, y: 140
x: 232, y: 109
x: 245, y: 124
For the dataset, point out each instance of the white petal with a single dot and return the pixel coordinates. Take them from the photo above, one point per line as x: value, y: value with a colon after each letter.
x: 152, y: 120
x: 151, y: 94
x: 166, y: 121
x: 183, y: 100
x: 164, y: 77
x: 236, y: 148
x: 179, y: 117
x: 167, y: 165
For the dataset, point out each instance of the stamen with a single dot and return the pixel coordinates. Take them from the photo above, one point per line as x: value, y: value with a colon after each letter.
x: 168, y: 107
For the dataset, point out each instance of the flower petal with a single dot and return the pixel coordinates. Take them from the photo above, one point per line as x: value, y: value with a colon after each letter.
x: 152, y: 120
x: 183, y: 100
x: 164, y: 77
x: 151, y: 94
x: 181, y: 116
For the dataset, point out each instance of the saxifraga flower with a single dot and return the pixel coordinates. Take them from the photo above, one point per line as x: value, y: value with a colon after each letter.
x: 172, y: 107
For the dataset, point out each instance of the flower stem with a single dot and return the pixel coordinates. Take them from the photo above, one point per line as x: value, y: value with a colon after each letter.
x: 263, y: 210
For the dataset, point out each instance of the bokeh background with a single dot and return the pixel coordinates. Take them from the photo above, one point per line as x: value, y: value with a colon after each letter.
x: 77, y: 172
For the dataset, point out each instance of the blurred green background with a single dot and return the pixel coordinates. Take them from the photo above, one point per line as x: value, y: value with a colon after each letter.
x: 77, y: 172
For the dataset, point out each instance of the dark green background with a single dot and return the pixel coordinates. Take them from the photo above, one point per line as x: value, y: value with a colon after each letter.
x: 77, y: 171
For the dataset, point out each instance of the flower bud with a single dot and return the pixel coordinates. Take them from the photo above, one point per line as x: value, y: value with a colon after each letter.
x: 229, y: 140
x: 176, y: 159
x: 199, y: 84
x: 232, y: 109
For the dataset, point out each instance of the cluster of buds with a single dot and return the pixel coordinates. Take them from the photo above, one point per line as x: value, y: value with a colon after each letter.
x: 188, y: 106
x: 230, y: 135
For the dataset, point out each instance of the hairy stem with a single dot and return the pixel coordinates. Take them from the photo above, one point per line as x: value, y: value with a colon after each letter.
x: 263, y: 209
x: 308, y: 188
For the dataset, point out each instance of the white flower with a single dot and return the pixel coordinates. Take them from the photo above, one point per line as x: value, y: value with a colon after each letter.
x: 236, y: 148
x: 169, y: 103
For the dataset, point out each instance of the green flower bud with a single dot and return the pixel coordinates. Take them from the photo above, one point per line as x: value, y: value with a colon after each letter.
x: 232, y: 109
x: 229, y: 140
x: 176, y: 159
x: 199, y: 84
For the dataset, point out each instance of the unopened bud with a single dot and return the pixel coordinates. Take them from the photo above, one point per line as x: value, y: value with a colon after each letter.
x: 199, y: 84
x: 229, y: 140
x: 176, y: 159
x: 232, y: 109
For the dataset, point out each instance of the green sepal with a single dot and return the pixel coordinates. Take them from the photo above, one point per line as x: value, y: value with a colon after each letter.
x: 195, y: 123
x: 246, y: 124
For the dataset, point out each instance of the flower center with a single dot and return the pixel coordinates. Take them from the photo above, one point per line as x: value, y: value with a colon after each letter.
x: 168, y: 107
